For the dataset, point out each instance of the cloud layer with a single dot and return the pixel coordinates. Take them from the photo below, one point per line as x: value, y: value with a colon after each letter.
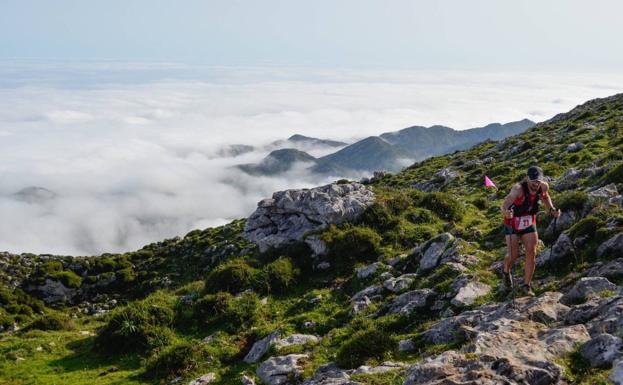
x: 132, y: 150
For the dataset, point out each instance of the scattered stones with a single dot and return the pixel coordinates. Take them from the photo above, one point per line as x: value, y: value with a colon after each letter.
x: 290, y: 214
x: 400, y: 283
x: 602, y: 350
x: 367, y: 292
x: 246, y: 380
x: 586, y: 287
x: 280, y: 369
x: 205, y: 379
x: 330, y: 374
x: 612, y: 270
x: 360, y: 305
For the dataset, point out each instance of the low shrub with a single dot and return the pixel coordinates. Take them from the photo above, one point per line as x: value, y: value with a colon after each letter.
x: 135, y: 328
x: 232, y: 276
x: 52, y: 322
x: 176, y: 360
x: 281, y: 274
x: 351, y: 244
x: 571, y: 201
x: 586, y: 227
x: 444, y: 205
x: 212, y: 305
x: 68, y: 278
x: 362, y: 345
x: 419, y: 215
x: 379, y: 216
x: 243, y: 312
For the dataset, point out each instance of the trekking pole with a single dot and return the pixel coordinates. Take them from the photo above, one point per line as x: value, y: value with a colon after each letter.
x: 513, y: 303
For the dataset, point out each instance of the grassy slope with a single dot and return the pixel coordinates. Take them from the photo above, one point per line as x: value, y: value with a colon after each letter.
x: 401, y: 218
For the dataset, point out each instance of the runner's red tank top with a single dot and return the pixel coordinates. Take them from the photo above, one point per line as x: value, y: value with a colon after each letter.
x: 519, y: 201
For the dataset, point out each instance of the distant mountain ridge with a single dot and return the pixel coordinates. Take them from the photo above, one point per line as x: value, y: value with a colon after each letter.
x: 389, y: 151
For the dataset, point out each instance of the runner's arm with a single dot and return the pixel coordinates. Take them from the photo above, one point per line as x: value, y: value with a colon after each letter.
x: 510, y: 198
x: 547, y: 199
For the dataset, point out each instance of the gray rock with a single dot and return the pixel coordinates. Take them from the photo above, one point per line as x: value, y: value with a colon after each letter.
x: 468, y: 293
x: 616, y: 376
x: 203, y: 380
x: 360, y: 305
x: 330, y: 374
x: 612, y: 270
x: 323, y: 265
x: 586, y: 287
x: 261, y: 347
x: 296, y: 339
x: 562, y: 250
x: 411, y: 300
x: 246, y: 380
x: 433, y: 251
x: 575, y: 147
x: 546, y: 308
x: 603, y: 194
x: 384, y: 367
x: 366, y: 271
x: 565, y: 221
x: 290, y: 214
x: 280, y: 369
x: 400, y: 283
x: 367, y: 292
x: 318, y: 246
x: 53, y: 291
x: 613, y: 246
x: 406, y: 345
x: 602, y: 350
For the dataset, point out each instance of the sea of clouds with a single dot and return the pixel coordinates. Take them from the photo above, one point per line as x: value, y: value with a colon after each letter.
x: 130, y: 152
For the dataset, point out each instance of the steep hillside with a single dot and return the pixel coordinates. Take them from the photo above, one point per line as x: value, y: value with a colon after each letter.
x: 403, y: 288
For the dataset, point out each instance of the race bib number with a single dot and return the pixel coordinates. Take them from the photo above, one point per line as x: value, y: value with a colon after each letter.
x: 522, y: 223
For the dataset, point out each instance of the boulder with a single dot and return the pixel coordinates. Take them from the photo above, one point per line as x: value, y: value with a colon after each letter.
x: 565, y: 221
x: 290, y: 214
x: 406, y: 345
x: 469, y: 292
x: 360, y: 305
x: 433, y: 250
x: 411, y: 300
x: 261, y: 347
x: 602, y: 350
x: 586, y: 287
x: 384, y: 367
x: 575, y: 147
x: 52, y: 291
x: 367, y: 292
x: 246, y: 380
x: 281, y: 369
x: 603, y: 193
x: 613, y: 246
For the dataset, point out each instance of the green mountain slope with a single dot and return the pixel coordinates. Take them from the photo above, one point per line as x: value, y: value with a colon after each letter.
x: 190, y: 306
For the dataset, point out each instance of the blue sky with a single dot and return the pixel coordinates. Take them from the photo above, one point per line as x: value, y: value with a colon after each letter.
x: 456, y: 34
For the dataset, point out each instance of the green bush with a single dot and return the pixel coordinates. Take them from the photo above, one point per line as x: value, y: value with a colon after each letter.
x: 243, y: 312
x: 176, y: 360
x: 352, y: 244
x: 444, y: 205
x: 481, y: 203
x: 52, y: 322
x: 138, y: 327
x: 281, y: 274
x: 125, y: 275
x: 364, y: 344
x: 571, y: 201
x: 232, y: 276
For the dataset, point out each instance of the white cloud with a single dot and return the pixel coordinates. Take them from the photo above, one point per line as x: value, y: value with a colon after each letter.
x: 134, y: 163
